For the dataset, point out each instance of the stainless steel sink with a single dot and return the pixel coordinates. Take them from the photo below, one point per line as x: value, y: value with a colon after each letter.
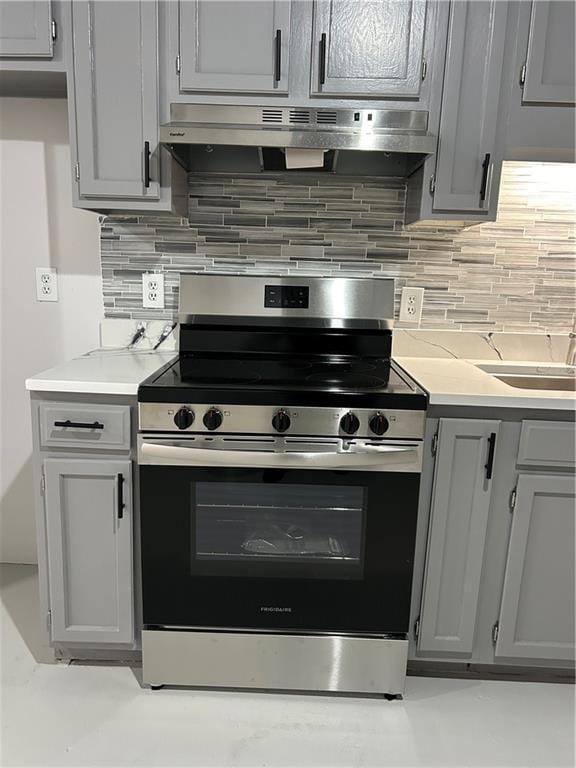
x: 558, y: 378
x: 560, y: 383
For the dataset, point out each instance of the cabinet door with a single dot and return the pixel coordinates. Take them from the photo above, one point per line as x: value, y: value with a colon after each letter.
x: 458, y: 520
x: 89, y: 536
x: 537, y: 611
x: 25, y: 28
x: 473, y: 71
x: 116, y: 97
x: 234, y: 45
x: 550, y: 65
x: 371, y: 48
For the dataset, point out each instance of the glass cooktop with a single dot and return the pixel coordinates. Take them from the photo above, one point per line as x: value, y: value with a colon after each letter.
x: 318, y: 374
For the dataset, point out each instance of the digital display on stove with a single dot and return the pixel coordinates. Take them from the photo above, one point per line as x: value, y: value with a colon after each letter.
x: 286, y: 296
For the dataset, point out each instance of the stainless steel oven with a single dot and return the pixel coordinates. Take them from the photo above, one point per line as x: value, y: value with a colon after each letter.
x: 279, y: 461
x: 278, y: 535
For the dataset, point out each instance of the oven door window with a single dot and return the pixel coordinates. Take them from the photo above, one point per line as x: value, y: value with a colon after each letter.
x: 279, y: 530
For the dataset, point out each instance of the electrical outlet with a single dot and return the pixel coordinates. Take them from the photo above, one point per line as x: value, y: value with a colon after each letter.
x: 411, y: 305
x: 153, y: 290
x: 46, y: 284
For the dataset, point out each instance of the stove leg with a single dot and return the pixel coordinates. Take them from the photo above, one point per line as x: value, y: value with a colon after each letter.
x: 392, y: 696
x: 156, y: 687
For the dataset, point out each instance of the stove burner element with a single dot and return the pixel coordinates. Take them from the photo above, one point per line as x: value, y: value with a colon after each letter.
x: 347, y: 381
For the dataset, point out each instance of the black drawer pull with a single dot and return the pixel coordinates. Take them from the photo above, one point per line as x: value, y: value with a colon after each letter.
x: 278, y: 56
x: 79, y: 424
x: 146, y: 164
x: 489, y: 466
x: 485, y: 167
x: 120, y: 497
x: 322, y: 66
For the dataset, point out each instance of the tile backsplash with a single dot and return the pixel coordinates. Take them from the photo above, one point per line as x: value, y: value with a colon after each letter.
x: 516, y: 274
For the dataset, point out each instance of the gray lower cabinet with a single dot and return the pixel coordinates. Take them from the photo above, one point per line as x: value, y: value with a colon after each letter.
x: 370, y: 48
x: 26, y: 28
x: 458, y: 519
x: 88, y: 509
x: 537, y: 611
x: 468, y: 155
x: 549, y: 76
x: 115, y: 99
x: 234, y: 45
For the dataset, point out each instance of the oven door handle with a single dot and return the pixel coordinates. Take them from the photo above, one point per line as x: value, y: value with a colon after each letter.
x: 369, y: 456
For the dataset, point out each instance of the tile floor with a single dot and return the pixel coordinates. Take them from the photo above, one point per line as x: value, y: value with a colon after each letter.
x: 57, y: 715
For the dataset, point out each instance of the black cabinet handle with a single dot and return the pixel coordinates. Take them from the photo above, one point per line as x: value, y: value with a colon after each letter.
x: 278, y: 56
x: 322, y: 64
x: 146, y: 164
x: 489, y: 466
x: 120, y: 492
x: 79, y: 424
x: 485, y: 166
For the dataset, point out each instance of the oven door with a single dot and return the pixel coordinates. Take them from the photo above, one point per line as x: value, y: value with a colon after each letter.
x: 278, y: 534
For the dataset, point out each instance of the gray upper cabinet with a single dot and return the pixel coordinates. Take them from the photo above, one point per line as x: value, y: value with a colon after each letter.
x: 467, y: 152
x: 26, y: 28
x: 550, y: 74
x: 116, y: 109
x: 370, y: 48
x: 88, y: 506
x: 234, y: 45
x: 458, y: 520
x: 537, y: 610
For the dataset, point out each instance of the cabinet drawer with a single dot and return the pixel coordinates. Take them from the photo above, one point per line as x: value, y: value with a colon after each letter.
x: 66, y: 425
x: 547, y: 443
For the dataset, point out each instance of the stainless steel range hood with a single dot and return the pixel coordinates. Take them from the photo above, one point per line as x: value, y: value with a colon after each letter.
x: 372, y: 130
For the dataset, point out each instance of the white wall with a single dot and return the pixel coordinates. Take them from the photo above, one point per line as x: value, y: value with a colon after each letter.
x: 38, y: 227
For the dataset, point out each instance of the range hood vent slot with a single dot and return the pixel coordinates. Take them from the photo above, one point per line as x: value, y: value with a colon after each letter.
x: 299, y: 116
x: 271, y: 115
x: 325, y: 117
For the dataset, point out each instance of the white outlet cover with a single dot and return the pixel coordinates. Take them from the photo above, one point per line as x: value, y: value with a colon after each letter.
x: 46, y: 284
x: 411, y: 305
x: 153, y: 290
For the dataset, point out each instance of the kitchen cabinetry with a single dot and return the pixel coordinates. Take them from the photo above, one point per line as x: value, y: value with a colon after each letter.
x: 462, y: 180
x: 235, y: 46
x: 369, y: 48
x: 537, y: 612
x: 89, y: 543
x: 494, y: 567
x: 549, y: 76
x: 467, y: 151
x: 114, y: 105
x: 458, y: 518
x: 26, y: 28
x: 540, y: 81
x: 87, y: 526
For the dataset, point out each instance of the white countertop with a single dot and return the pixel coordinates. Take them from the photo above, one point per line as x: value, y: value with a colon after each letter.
x: 459, y: 382
x: 101, y: 372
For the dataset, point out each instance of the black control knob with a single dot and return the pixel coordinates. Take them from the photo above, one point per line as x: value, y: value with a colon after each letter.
x: 349, y: 423
x: 184, y: 417
x: 378, y: 423
x: 281, y: 421
x: 212, y: 418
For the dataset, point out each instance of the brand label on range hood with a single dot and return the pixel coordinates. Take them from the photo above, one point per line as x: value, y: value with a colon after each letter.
x: 274, y: 609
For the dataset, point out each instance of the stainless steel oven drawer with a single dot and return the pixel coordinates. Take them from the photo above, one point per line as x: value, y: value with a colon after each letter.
x: 329, y: 663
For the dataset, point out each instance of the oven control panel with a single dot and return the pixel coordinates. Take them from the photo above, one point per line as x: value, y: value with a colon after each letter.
x: 273, y: 420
